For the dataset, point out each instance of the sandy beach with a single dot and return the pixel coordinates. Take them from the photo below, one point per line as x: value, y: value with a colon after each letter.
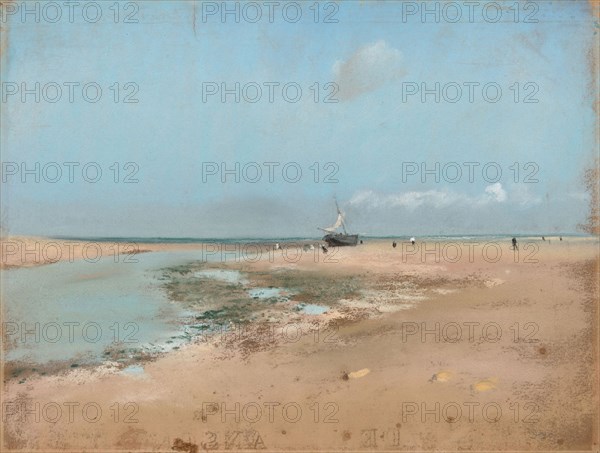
x: 446, y: 346
x: 308, y: 227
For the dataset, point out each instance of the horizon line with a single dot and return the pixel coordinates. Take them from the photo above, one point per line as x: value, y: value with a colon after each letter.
x: 290, y: 238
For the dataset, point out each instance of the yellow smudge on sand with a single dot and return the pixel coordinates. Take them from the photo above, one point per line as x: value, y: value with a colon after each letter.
x: 359, y: 373
x: 485, y: 385
x: 442, y: 376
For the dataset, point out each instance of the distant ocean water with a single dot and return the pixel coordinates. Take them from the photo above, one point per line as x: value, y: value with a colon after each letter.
x: 191, y: 240
x: 180, y: 240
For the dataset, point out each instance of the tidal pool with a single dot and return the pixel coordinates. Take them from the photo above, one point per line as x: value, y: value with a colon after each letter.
x: 73, y: 311
x: 312, y: 309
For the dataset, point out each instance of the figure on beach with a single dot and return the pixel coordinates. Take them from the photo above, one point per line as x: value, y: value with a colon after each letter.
x: 394, y: 244
x: 543, y: 238
x: 514, y: 244
x: 324, y: 249
x: 412, y: 241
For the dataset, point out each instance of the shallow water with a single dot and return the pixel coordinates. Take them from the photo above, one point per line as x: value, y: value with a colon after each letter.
x: 133, y: 370
x: 74, y: 311
x: 221, y: 275
x: 312, y: 309
x: 267, y: 293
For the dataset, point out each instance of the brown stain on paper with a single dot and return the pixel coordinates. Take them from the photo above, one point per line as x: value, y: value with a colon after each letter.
x: 4, y: 38
x: 591, y: 174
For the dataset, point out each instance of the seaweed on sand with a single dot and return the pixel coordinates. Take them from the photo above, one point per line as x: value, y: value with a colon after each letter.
x: 315, y: 287
x: 219, y: 302
x: 233, y: 313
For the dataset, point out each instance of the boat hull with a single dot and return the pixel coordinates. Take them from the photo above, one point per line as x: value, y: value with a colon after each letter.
x: 341, y: 240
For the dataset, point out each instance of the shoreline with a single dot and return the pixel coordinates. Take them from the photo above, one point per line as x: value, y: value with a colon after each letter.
x: 418, y: 332
x: 28, y: 251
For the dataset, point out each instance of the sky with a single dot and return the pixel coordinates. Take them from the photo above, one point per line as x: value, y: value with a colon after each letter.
x: 352, y: 122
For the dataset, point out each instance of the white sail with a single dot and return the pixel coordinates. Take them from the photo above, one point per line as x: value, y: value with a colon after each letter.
x: 336, y: 225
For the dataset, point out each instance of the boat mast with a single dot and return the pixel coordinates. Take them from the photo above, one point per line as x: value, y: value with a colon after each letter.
x: 340, y: 215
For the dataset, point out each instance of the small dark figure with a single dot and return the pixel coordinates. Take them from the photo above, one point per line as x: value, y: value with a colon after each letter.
x: 412, y: 241
x: 514, y: 244
x: 394, y: 244
x: 543, y: 238
x: 361, y: 241
x: 324, y: 249
x: 561, y: 238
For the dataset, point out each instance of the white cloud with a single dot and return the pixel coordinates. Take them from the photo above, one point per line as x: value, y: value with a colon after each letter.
x: 494, y: 193
x: 367, y: 69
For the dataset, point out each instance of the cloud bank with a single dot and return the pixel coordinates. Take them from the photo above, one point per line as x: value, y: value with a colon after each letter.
x: 367, y: 69
x: 494, y: 193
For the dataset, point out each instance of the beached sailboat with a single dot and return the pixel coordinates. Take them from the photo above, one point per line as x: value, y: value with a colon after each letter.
x: 335, y: 238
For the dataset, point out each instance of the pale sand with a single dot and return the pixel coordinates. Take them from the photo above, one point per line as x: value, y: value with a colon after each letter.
x: 372, y: 373
x: 21, y: 251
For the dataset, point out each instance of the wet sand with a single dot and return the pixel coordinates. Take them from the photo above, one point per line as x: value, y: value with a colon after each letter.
x: 416, y: 352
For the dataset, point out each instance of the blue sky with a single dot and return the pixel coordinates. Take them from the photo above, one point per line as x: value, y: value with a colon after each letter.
x: 371, y: 54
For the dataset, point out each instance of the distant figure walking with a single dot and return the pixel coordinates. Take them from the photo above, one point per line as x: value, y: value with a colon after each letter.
x: 394, y: 244
x: 277, y: 247
x: 361, y: 241
x: 561, y: 238
x: 412, y: 241
x: 514, y: 244
x: 543, y: 238
x: 324, y: 249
